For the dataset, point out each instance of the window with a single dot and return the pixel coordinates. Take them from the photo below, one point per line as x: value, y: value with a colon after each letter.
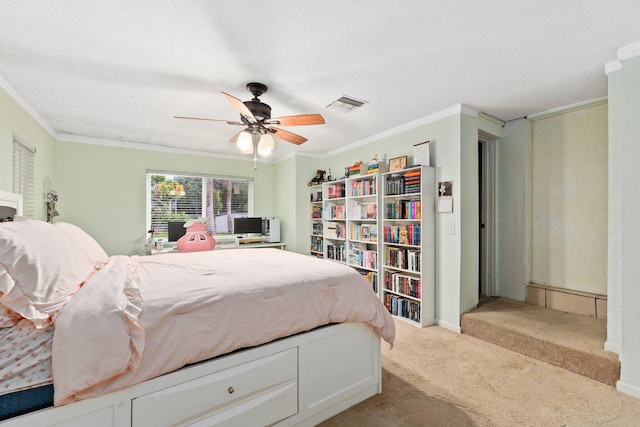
x: 23, y: 171
x: 181, y: 197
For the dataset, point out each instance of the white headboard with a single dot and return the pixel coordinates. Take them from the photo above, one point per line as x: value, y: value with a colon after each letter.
x: 10, y: 205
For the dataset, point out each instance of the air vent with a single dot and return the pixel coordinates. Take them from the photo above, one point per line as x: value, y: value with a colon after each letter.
x: 346, y: 104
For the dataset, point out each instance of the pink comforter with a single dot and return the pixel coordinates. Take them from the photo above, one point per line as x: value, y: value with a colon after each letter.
x: 140, y: 317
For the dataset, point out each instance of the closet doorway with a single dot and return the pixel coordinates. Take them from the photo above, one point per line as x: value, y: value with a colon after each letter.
x: 487, y: 214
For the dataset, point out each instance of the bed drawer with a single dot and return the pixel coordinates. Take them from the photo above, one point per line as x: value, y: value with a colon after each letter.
x: 260, y: 392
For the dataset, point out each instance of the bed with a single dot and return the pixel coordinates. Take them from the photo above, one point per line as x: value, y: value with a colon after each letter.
x: 250, y: 337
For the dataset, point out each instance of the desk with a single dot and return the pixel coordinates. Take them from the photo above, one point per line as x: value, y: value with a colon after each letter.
x: 171, y: 248
x: 279, y: 245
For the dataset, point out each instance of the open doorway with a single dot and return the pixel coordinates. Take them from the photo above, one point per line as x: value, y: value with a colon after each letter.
x: 487, y: 206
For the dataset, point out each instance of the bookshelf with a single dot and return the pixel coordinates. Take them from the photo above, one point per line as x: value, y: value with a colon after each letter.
x: 363, y: 246
x: 408, y: 244
x: 316, y: 247
x: 334, y: 212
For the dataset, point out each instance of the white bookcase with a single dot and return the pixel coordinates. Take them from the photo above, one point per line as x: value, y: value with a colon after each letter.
x: 334, y: 212
x: 316, y: 247
x: 363, y: 244
x: 408, y: 244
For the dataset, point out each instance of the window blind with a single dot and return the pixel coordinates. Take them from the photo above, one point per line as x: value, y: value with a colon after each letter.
x: 181, y: 197
x: 23, y: 174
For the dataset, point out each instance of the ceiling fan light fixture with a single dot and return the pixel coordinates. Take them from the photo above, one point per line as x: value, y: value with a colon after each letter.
x: 245, y: 142
x: 266, y: 144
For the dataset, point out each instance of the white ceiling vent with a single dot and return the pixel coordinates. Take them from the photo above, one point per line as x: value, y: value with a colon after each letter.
x: 346, y: 104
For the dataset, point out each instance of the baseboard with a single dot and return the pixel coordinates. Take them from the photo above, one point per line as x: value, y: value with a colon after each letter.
x: 449, y: 326
x: 614, y: 348
x: 629, y: 389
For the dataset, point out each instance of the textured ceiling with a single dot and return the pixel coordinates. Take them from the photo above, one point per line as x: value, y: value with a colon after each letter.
x: 119, y: 70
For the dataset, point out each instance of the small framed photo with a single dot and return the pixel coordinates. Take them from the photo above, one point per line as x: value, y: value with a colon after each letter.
x: 397, y: 163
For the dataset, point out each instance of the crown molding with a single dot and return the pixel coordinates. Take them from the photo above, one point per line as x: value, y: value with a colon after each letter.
x: 13, y: 93
x: 447, y: 112
x: 155, y: 147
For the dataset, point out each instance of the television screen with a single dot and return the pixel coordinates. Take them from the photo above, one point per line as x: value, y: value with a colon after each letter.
x: 247, y: 225
x: 176, y: 230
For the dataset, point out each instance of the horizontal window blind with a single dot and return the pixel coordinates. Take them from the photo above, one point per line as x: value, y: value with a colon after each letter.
x: 23, y: 174
x: 181, y: 197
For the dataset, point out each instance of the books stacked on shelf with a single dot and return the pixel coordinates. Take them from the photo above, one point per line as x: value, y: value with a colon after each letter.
x: 364, y: 187
x: 412, y: 181
x: 407, y: 234
x: 316, y: 244
x: 336, y: 230
x: 402, y: 307
x: 316, y: 228
x: 336, y: 212
x: 335, y: 191
x: 316, y: 212
x: 337, y: 252
x: 376, y: 167
x: 372, y: 279
x: 407, y: 183
x: 356, y: 170
x: 402, y: 258
x: 360, y: 256
x: 402, y: 284
x: 363, y: 232
x: 364, y: 211
x: 404, y: 209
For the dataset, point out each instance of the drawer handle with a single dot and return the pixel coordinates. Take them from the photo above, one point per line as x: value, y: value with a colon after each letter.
x: 231, y: 390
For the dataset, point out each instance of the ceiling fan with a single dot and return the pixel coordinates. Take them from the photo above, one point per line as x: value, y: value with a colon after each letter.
x: 256, y: 117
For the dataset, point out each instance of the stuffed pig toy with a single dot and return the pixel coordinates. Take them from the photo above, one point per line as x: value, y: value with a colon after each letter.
x: 196, y: 238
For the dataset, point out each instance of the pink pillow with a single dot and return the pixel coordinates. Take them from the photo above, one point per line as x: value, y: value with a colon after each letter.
x: 42, y: 265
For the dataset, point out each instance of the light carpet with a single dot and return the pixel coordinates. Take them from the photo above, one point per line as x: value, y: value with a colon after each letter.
x: 435, y: 377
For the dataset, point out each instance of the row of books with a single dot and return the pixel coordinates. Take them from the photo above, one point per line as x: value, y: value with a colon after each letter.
x: 402, y: 284
x: 365, y: 232
x: 337, y: 252
x: 361, y: 257
x: 335, y: 191
x: 403, y: 209
x: 363, y: 210
x: 316, y: 212
x: 336, y: 212
x: 316, y: 244
x: 402, y: 307
x: 372, y: 279
x: 407, y: 183
x: 406, y: 234
x: 405, y: 259
x: 356, y: 170
x: 336, y: 230
x: 316, y: 228
x: 364, y: 187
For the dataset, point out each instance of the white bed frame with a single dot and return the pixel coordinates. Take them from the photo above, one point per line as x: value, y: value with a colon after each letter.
x: 300, y: 380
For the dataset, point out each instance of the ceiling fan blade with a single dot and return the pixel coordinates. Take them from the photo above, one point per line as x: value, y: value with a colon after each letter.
x: 231, y: 122
x: 287, y: 136
x: 234, y: 139
x: 242, y: 109
x: 299, y: 120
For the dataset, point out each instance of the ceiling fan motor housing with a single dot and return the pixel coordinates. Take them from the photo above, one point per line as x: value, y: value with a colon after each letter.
x: 260, y: 110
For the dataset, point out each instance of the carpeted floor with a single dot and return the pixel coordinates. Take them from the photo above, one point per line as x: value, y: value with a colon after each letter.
x: 434, y: 377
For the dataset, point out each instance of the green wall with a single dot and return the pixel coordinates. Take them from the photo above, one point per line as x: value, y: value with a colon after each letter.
x: 102, y: 188
x: 16, y: 120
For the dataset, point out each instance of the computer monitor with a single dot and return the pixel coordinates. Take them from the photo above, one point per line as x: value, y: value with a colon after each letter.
x: 176, y: 230
x: 247, y: 225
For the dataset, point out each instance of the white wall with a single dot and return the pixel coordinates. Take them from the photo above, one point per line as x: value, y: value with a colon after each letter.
x: 513, y: 221
x: 569, y: 199
x: 624, y: 94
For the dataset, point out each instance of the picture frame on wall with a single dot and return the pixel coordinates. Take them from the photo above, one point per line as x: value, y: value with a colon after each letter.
x: 397, y: 163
